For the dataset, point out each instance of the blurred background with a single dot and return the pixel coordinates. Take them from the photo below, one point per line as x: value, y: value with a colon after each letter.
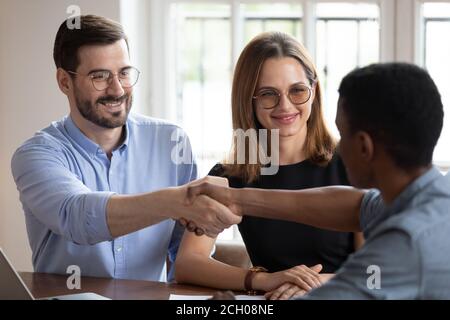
x: 186, y: 51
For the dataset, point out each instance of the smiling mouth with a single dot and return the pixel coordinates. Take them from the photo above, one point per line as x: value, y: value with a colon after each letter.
x: 286, y: 118
x: 112, y: 104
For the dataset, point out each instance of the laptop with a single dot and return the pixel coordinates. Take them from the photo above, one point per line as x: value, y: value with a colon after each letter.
x: 13, y: 288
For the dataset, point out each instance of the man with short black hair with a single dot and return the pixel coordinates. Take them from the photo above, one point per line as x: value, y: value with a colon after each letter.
x: 95, y: 185
x: 389, y: 117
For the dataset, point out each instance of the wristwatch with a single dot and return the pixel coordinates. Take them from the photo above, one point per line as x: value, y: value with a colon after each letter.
x: 249, y: 278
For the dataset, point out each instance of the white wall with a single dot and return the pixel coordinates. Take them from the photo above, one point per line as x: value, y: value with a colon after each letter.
x: 29, y: 96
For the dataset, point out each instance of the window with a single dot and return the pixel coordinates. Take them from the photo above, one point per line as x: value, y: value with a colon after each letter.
x: 284, y: 17
x: 347, y: 37
x: 436, y: 58
x: 203, y: 78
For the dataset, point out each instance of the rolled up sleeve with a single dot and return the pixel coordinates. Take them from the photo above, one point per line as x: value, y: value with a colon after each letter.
x: 371, y: 206
x: 57, y: 198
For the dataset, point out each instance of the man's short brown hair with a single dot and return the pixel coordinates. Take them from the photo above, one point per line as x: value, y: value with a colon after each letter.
x: 93, y: 30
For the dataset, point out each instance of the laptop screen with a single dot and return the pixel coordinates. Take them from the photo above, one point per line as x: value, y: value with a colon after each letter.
x: 11, y: 285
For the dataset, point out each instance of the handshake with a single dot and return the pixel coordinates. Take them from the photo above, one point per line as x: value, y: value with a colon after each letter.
x: 209, y: 206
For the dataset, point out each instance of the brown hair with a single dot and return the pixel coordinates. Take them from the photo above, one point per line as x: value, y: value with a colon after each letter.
x: 319, y: 145
x: 93, y: 30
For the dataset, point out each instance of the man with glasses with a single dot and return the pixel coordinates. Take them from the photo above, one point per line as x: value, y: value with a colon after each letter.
x: 95, y: 185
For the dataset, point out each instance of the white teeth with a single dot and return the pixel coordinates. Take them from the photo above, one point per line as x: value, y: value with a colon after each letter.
x: 113, y: 104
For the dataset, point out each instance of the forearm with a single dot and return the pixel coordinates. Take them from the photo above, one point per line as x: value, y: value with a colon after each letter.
x: 334, y: 208
x: 129, y: 213
x: 197, y: 269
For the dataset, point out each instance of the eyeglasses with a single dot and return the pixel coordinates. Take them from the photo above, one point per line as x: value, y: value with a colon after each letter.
x: 102, y: 79
x: 270, y: 98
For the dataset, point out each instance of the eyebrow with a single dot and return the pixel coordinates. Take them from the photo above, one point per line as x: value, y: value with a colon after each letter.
x: 101, y: 70
x: 294, y: 84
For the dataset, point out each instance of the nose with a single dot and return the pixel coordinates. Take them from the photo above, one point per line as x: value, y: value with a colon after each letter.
x: 285, y: 103
x: 115, y: 87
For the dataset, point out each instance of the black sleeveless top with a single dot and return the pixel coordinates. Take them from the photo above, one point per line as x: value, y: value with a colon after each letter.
x: 279, y: 245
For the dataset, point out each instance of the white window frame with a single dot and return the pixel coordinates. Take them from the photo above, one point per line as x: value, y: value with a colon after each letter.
x: 161, y: 84
x: 395, y: 44
x: 418, y: 58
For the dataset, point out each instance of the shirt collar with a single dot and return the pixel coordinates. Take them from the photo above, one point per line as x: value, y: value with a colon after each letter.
x: 125, y: 142
x: 404, y: 199
x: 87, y: 144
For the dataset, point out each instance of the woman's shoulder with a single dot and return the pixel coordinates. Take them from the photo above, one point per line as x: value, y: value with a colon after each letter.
x: 336, y: 166
x: 336, y: 160
x: 218, y: 170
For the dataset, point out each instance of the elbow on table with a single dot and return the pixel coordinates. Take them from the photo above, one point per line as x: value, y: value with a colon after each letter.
x: 182, y: 269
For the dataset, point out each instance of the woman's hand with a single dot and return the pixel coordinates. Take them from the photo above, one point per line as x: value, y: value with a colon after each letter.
x: 302, y: 276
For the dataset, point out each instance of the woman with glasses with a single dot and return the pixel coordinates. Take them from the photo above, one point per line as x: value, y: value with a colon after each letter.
x: 275, y: 87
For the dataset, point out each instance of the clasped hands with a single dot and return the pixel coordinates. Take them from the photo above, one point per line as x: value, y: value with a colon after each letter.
x: 208, y: 207
x: 286, y: 284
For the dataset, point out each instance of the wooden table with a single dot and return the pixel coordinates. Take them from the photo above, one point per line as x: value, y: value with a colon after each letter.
x: 44, y: 285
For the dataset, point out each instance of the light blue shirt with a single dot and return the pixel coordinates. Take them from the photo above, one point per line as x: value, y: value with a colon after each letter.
x: 407, y: 249
x: 65, y: 180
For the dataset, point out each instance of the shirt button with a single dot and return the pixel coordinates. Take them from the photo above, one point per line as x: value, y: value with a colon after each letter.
x: 119, y: 249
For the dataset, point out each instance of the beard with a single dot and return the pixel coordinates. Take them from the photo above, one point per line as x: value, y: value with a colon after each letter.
x: 92, y: 112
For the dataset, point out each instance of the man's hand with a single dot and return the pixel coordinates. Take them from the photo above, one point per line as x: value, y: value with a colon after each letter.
x: 285, y: 291
x: 324, y: 277
x: 302, y: 276
x: 129, y: 213
x: 205, y: 215
x: 215, y: 188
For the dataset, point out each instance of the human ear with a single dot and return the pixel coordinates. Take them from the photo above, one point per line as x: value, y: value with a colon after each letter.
x: 64, y: 80
x: 365, y: 146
